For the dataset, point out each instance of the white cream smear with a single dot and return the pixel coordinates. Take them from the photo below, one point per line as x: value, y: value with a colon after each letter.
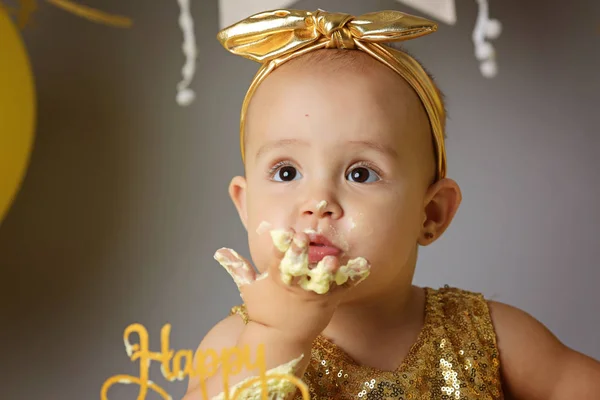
x: 318, y: 279
x: 263, y: 227
x: 277, y: 389
x: 231, y: 265
x: 359, y: 222
x: 262, y: 276
x: 321, y: 205
x: 292, y: 264
x: 352, y: 224
x: 128, y: 347
x: 341, y: 240
x: 282, y: 239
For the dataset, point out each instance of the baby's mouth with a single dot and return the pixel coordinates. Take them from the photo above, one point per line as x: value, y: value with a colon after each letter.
x: 320, y: 247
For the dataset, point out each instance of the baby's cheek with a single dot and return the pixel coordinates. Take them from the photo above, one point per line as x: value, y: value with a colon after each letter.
x: 357, y: 224
x: 261, y: 249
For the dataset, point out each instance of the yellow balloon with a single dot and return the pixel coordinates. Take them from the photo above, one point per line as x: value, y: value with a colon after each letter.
x: 17, y: 111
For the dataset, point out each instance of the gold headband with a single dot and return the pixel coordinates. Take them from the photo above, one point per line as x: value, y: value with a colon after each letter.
x: 274, y: 37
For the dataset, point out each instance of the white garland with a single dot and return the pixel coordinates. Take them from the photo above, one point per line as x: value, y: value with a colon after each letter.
x: 185, y: 95
x: 486, y: 28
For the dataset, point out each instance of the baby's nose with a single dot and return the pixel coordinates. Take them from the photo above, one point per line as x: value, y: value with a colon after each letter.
x: 323, y: 208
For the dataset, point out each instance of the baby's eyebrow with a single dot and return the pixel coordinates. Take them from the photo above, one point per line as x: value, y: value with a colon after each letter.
x: 377, y: 147
x: 277, y: 144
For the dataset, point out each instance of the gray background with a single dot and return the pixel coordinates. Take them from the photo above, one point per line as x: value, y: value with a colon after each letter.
x: 125, y: 200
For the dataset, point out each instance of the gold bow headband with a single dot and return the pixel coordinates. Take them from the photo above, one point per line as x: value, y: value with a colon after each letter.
x: 274, y: 37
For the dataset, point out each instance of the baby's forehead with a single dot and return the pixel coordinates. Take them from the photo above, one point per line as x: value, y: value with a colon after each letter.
x: 351, y: 61
x: 334, y: 63
x: 362, y: 101
x: 335, y: 80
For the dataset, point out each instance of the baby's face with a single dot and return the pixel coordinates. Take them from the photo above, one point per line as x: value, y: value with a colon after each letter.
x: 343, y: 153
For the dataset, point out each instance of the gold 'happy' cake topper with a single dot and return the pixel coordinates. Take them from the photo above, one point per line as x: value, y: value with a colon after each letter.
x: 180, y: 365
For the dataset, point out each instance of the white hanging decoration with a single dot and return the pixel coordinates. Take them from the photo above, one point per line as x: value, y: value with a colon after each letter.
x: 185, y: 95
x: 486, y: 28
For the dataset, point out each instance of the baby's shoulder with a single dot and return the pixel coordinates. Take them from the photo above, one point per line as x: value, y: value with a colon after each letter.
x: 223, y: 335
x: 451, y: 302
x: 462, y: 317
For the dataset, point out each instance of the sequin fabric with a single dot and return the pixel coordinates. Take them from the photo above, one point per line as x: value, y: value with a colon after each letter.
x: 455, y: 357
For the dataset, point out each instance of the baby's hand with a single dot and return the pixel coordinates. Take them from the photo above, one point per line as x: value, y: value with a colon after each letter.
x: 289, y: 297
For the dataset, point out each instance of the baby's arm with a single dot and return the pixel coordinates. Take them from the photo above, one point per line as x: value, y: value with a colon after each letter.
x: 536, y: 365
x: 222, y: 336
x: 284, y: 315
x: 232, y: 332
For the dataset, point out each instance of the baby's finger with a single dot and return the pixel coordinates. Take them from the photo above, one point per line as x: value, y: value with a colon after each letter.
x: 282, y: 240
x: 331, y: 263
x: 300, y: 243
x: 295, y: 261
x: 320, y: 278
x: 238, y: 268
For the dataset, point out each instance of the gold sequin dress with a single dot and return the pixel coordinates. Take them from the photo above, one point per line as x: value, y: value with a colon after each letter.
x: 454, y: 357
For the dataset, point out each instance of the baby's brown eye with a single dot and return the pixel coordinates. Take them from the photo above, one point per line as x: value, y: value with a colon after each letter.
x: 286, y: 174
x: 362, y: 175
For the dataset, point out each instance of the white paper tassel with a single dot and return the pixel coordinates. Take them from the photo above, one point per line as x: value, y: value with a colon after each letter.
x: 185, y: 95
x: 486, y: 28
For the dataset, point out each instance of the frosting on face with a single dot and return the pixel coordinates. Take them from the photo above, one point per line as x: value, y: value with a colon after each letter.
x: 319, y: 278
x: 321, y: 205
x: 263, y: 227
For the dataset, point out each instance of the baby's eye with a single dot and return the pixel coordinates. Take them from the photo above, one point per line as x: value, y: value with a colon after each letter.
x: 362, y: 175
x: 286, y: 173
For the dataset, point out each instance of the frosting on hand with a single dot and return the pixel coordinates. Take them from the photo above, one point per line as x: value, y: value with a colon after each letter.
x: 278, y: 386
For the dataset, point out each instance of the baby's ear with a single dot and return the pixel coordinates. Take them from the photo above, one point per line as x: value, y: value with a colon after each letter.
x: 441, y: 203
x: 237, y: 192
